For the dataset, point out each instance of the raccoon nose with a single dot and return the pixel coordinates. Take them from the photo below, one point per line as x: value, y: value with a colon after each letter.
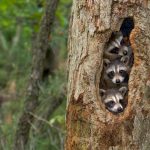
x: 125, y: 52
x: 117, y: 81
x: 119, y: 110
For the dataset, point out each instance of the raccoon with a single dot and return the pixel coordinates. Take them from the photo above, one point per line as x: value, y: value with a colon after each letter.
x: 116, y: 72
x: 113, y: 45
x: 117, y: 48
x: 114, y: 99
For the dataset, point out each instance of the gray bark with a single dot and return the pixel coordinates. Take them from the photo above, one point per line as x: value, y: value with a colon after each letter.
x: 89, y: 124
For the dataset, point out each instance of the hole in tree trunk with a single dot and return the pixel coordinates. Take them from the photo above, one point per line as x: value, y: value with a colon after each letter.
x: 117, y: 63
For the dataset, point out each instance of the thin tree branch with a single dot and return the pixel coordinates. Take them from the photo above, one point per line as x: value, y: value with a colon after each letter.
x: 54, y: 104
x: 45, y: 121
x: 16, y: 38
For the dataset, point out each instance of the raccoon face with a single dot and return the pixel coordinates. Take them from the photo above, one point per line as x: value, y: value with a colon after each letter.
x: 118, y: 46
x: 114, y: 99
x: 117, y: 70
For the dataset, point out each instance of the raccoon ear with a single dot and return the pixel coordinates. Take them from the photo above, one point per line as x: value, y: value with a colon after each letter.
x: 123, y: 90
x: 106, y: 62
x: 125, y: 59
x: 102, y: 92
x: 119, y: 36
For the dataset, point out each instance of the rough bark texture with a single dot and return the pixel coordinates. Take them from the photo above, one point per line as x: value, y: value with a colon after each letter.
x: 89, y: 125
x: 39, y: 53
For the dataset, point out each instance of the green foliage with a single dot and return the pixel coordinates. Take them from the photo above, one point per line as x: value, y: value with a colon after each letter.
x: 20, y: 20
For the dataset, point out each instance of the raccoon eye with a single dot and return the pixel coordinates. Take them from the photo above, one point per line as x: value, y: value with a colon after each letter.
x: 110, y: 104
x: 125, y: 52
x: 122, y: 72
x: 115, y: 50
x: 121, y: 101
x: 111, y: 74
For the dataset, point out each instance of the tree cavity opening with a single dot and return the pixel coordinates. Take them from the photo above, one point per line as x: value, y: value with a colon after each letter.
x: 118, y: 60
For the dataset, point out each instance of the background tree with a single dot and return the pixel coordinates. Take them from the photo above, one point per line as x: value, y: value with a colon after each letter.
x: 39, y: 55
x: 89, y: 124
x: 20, y: 24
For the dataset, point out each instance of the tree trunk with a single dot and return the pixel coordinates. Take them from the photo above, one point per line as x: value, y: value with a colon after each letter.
x: 39, y: 53
x: 89, y: 124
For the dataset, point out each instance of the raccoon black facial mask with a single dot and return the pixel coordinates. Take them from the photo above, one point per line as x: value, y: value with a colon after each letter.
x: 116, y: 71
x: 114, y: 99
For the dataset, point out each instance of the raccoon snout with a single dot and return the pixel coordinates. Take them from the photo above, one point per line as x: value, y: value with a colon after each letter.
x: 117, y: 81
x: 119, y: 110
x: 125, y: 52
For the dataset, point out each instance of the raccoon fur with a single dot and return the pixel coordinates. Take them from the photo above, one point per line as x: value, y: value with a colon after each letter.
x: 116, y: 72
x: 114, y: 99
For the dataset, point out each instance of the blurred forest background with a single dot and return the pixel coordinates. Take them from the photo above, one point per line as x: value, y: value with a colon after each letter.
x: 19, y: 24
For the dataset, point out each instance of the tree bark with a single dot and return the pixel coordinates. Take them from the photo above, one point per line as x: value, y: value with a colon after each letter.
x: 39, y: 53
x: 89, y: 124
